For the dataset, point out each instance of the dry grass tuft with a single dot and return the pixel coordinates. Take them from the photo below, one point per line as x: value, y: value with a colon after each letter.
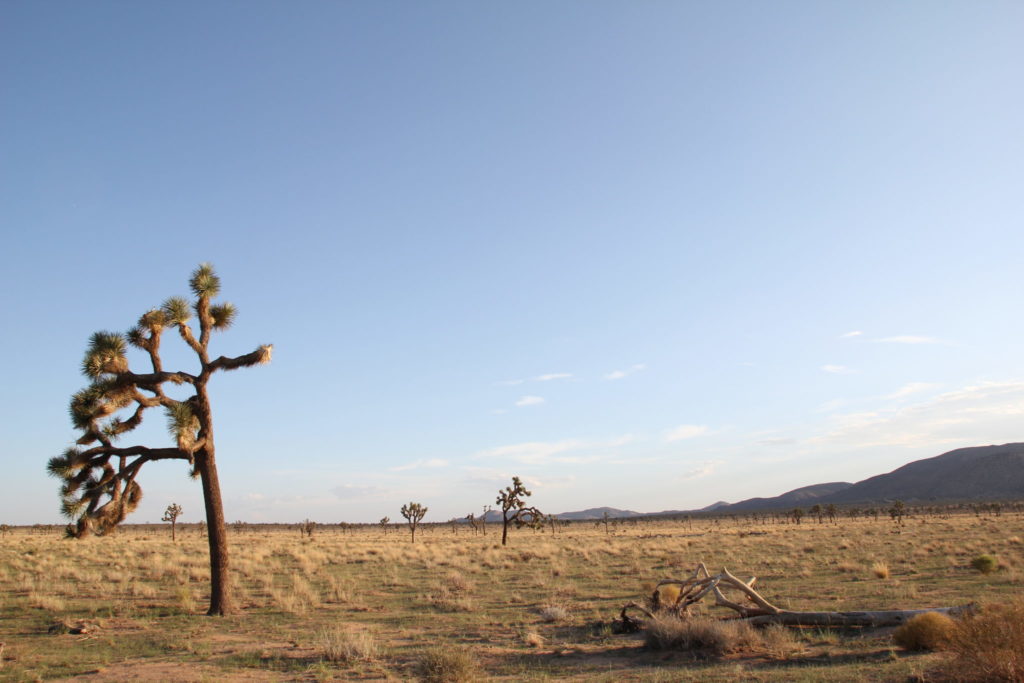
x: 989, y: 646
x: 533, y: 639
x: 448, y: 665
x: 880, y: 570
x: 928, y: 631
x: 339, y: 645
x: 553, y: 613
x: 701, y: 637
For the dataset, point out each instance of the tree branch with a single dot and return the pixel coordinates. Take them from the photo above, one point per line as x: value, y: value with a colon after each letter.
x: 258, y: 357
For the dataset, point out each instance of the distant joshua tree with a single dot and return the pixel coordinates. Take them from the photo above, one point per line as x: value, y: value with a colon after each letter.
x: 514, y: 509
x: 818, y: 512
x: 483, y: 520
x: 413, y: 513
x: 384, y: 524
x: 471, y: 519
x: 832, y: 512
x: 897, y: 511
x: 171, y: 515
x: 797, y: 514
x: 99, y: 479
x: 4, y: 529
x: 306, y: 528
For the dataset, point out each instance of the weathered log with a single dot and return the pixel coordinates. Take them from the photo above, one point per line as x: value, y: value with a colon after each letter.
x: 702, y: 583
x: 874, y: 619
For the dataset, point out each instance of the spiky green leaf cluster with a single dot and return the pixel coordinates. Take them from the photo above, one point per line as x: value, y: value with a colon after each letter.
x: 223, y: 315
x: 96, y: 401
x: 177, y: 310
x: 66, y: 465
x: 181, y: 421
x: 204, y: 282
x: 104, y: 355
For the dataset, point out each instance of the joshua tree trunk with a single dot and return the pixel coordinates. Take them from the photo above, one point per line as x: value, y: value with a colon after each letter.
x: 220, y: 591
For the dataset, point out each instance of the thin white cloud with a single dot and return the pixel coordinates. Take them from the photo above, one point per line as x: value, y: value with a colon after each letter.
x: 777, y: 441
x: 988, y: 412
x: 685, y: 432
x: 499, y: 411
x: 909, y: 339
x: 564, y: 451
x: 838, y: 369
x: 529, y: 401
x: 351, y: 491
x: 833, y: 405
x: 548, y: 377
x: 552, y: 376
x: 705, y: 469
x: 911, y: 389
x: 620, y: 374
x: 500, y: 478
x: 851, y: 335
x: 419, y: 464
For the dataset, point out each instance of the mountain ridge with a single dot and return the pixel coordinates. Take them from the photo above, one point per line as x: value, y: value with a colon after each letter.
x: 994, y: 472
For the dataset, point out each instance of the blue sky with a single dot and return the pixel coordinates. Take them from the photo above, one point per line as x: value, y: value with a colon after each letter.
x: 643, y: 254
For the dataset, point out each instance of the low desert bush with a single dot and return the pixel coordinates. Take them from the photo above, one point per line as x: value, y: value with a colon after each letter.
x: 986, y: 564
x: 533, y: 639
x: 447, y: 665
x: 928, y: 631
x: 880, y: 570
x: 700, y: 636
x: 989, y: 645
x: 447, y: 601
x: 338, y: 645
x: 553, y: 613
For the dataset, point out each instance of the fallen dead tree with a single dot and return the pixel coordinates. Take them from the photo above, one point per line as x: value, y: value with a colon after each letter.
x: 755, y: 609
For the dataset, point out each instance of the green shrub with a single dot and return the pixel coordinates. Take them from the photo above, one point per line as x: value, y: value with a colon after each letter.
x: 986, y: 564
x: 928, y: 631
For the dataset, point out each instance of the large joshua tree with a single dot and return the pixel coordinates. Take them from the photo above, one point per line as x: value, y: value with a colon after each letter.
x: 99, y: 486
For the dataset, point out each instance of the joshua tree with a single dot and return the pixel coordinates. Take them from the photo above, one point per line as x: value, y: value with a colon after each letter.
x: 99, y: 478
x: 832, y: 512
x: 483, y: 520
x: 384, y: 524
x: 553, y: 521
x: 413, y: 513
x: 307, y: 527
x: 818, y: 512
x: 471, y: 519
x: 514, y: 509
x: 797, y: 514
x: 896, y: 512
x: 171, y: 515
x: 4, y: 529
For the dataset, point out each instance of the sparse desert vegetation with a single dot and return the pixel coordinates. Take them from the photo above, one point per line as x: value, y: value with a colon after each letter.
x: 358, y: 603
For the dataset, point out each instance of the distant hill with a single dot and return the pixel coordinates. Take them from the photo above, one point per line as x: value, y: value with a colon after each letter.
x: 598, y: 513
x: 979, y: 473
x: 965, y: 474
x: 806, y: 495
